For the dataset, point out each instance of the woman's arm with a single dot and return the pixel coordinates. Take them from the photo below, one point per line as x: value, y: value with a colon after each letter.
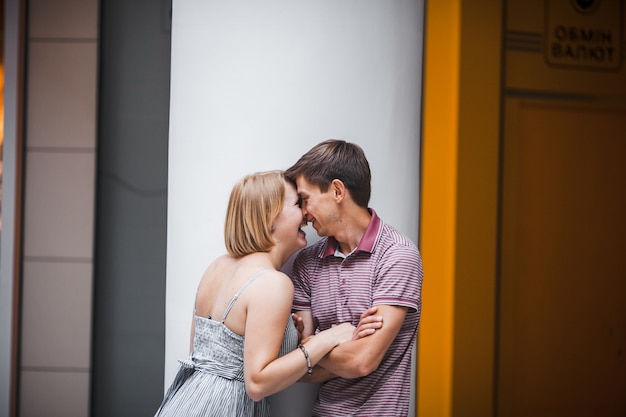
x: 268, y: 308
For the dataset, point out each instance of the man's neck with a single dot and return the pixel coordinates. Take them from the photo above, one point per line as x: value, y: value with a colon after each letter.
x: 353, y: 226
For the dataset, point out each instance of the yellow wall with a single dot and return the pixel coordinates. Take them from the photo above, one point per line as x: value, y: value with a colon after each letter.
x: 466, y: 88
x: 437, y: 225
x: 459, y: 206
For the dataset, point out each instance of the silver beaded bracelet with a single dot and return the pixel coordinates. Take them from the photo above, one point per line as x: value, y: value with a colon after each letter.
x: 309, y: 369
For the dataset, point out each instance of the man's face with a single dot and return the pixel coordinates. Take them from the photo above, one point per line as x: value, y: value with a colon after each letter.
x: 320, y: 209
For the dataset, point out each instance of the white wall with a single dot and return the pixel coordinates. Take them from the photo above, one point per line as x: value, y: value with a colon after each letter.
x: 256, y: 84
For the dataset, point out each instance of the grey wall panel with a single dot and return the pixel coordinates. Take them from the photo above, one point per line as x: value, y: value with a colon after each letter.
x: 129, y: 285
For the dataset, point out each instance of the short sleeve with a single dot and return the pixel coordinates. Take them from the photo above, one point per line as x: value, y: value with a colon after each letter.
x: 399, y: 278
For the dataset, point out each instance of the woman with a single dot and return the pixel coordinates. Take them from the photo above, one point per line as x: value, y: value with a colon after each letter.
x: 244, y: 342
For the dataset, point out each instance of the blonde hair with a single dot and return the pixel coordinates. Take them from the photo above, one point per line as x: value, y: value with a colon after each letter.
x: 255, y: 201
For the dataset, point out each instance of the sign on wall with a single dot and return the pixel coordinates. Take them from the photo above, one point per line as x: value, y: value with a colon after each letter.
x: 565, y: 46
x: 584, y: 33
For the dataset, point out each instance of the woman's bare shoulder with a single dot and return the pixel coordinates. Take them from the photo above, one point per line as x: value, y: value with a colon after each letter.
x: 274, y: 284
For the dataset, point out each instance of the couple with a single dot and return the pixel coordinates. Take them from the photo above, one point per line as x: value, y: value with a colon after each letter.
x: 363, y: 273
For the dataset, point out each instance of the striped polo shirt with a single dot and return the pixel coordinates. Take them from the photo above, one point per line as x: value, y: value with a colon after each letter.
x: 384, y: 269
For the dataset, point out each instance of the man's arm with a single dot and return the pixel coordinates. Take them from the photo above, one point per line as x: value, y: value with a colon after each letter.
x: 369, y: 323
x: 361, y: 357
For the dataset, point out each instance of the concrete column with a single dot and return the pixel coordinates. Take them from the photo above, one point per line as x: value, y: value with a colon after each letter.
x: 254, y: 86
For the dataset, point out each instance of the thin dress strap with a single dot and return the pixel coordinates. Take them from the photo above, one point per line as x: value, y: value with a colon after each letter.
x: 238, y: 293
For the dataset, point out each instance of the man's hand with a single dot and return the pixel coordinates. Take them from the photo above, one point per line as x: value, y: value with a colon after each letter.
x: 299, y: 323
x: 368, y: 323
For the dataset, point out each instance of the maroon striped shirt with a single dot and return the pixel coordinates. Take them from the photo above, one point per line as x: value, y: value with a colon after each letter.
x: 384, y: 269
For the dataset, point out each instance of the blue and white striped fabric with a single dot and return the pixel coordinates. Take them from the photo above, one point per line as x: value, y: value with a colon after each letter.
x: 210, y: 382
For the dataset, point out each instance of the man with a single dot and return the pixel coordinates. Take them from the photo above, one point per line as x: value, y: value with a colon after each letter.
x: 360, y: 262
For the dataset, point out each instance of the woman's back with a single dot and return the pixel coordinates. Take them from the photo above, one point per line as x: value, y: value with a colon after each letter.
x: 222, y: 280
x: 212, y: 382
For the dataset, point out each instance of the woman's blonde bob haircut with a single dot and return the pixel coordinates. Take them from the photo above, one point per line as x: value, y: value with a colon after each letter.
x: 255, y: 201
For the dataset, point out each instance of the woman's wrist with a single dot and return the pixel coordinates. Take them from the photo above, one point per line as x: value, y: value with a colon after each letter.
x: 307, y: 357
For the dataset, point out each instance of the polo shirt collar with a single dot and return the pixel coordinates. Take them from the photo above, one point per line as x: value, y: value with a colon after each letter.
x: 367, y: 242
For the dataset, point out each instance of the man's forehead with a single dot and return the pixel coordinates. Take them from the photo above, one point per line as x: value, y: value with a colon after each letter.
x: 305, y: 187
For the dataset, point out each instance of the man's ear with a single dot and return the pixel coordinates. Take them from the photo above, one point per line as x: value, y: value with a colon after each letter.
x: 338, y: 188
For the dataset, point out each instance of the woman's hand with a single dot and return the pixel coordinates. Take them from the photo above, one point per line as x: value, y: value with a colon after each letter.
x: 342, y: 332
x: 368, y: 323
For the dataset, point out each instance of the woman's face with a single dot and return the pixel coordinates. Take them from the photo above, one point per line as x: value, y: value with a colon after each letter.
x: 288, y: 223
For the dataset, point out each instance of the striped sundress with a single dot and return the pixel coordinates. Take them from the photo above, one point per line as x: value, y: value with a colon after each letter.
x: 210, y: 382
